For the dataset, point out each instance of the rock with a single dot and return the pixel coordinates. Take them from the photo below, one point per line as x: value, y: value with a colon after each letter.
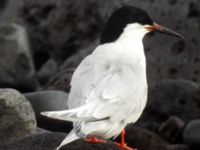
x: 17, y: 119
x: 48, y: 70
x: 16, y: 65
x: 83, y: 145
x: 193, y: 10
x: 59, y: 28
x: 191, y: 134
x: 171, y: 129
x: 10, y: 11
x: 171, y: 58
x: 40, y: 141
x: 50, y: 140
x: 49, y: 101
x: 143, y: 139
x: 167, y: 98
x: 3, y: 4
x: 178, y: 147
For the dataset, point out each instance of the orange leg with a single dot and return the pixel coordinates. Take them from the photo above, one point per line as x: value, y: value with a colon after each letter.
x: 95, y: 140
x: 123, y: 145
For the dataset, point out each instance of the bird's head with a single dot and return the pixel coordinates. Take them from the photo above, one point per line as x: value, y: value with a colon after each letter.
x: 131, y: 21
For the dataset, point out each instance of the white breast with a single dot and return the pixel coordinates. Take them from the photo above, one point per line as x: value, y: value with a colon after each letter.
x: 111, y: 83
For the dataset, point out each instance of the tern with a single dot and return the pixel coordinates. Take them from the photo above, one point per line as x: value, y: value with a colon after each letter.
x: 109, y: 87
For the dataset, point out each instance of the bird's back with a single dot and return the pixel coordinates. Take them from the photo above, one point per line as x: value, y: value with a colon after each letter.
x: 109, y: 75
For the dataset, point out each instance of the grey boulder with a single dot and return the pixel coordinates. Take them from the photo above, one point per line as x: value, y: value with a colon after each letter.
x: 167, y: 98
x: 16, y: 65
x: 191, y: 134
x: 50, y: 100
x: 17, y: 119
x: 39, y: 141
x: 48, y: 70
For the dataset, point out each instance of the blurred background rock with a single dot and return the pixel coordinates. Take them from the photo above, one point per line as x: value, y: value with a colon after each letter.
x: 43, y: 41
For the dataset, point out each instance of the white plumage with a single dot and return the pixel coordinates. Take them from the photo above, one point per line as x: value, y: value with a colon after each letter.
x: 108, y: 89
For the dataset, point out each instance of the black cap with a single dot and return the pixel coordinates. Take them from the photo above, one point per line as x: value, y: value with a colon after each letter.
x: 120, y: 18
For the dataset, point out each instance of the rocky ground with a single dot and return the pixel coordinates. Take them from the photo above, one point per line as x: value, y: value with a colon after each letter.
x: 43, y: 41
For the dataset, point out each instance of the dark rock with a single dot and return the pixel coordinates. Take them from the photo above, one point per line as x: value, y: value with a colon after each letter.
x: 59, y: 28
x: 48, y: 70
x: 171, y: 129
x: 17, y: 119
x: 83, y: 145
x: 191, y: 134
x: 40, y: 141
x: 17, y: 70
x: 10, y: 11
x: 172, y: 2
x: 167, y: 98
x: 136, y: 137
x: 143, y: 139
x: 178, y: 47
x: 178, y: 147
x: 193, y: 10
x: 49, y: 101
x: 3, y: 4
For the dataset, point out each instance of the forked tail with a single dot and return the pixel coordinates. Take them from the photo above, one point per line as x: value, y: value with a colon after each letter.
x: 68, y: 139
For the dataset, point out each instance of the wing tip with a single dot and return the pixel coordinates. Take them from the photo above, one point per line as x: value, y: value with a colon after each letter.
x: 45, y: 113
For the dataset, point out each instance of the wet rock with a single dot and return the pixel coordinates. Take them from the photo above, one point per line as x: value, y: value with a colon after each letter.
x: 48, y: 70
x: 167, y: 98
x: 40, y: 141
x: 16, y: 66
x: 49, y: 101
x: 171, y: 129
x: 17, y: 119
x: 191, y: 134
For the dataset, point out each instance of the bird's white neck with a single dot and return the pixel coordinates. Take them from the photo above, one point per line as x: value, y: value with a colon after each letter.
x: 131, y: 41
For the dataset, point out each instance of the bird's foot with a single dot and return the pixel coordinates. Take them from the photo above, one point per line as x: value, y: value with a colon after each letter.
x: 123, y: 146
x: 95, y: 140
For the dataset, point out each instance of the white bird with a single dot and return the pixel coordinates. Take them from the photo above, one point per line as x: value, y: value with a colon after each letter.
x: 109, y: 87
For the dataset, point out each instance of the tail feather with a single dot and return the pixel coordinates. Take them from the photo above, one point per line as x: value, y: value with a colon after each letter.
x: 70, y: 115
x: 62, y: 115
x: 70, y: 138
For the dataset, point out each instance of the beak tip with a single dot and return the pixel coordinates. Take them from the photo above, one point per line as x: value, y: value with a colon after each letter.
x: 182, y: 37
x: 169, y: 32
